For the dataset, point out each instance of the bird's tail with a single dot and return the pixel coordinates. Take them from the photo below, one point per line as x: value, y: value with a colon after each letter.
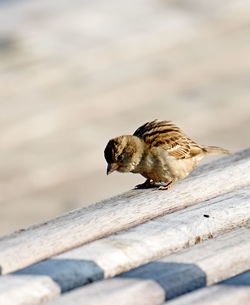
x: 214, y: 150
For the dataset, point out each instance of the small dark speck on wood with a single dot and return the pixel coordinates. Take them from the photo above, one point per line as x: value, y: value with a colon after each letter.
x: 197, y: 240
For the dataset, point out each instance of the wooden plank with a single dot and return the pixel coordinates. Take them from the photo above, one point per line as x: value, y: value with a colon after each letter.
x: 13, y: 288
x: 120, y: 252
x: 234, y: 291
x: 35, y: 157
x: 134, y: 71
x: 192, y: 268
x: 119, y: 291
x: 137, y: 206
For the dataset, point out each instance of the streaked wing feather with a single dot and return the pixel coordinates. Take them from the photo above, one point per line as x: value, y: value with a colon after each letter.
x: 169, y: 137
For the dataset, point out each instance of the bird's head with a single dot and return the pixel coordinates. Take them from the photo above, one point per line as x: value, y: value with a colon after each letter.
x: 123, y: 154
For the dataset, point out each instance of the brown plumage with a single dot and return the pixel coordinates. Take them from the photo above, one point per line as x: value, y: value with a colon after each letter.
x: 159, y: 151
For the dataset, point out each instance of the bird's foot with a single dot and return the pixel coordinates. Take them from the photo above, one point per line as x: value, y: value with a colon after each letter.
x: 167, y: 186
x: 147, y: 183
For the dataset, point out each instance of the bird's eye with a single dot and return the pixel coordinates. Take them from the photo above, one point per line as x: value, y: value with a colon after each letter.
x: 120, y: 158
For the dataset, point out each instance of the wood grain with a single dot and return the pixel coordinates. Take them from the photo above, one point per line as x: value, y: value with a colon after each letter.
x: 162, y: 236
x: 52, y: 139
x: 118, y: 213
x: 174, y: 275
x: 235, y: 291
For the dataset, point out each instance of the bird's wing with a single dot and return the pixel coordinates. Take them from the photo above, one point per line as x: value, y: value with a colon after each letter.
x: 170, y: 137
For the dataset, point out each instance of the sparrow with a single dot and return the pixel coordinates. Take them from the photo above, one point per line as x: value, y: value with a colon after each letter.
x: 159, y: 151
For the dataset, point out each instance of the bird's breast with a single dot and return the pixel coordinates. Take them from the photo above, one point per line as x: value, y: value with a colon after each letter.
x: 161, y: 167
x: 154, y: 167
x: 180, y: 168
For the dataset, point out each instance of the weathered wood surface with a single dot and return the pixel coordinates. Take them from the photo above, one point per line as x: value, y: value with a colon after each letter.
x: 128, y: 59
x: 14, y: 290
x: 164, y: 235
x: 234, y: 291
x: 137, y: 206
x: 203, y: 264
x: 115, y: 291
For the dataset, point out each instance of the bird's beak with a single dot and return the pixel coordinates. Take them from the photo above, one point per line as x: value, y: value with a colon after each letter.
x: 112, y: 167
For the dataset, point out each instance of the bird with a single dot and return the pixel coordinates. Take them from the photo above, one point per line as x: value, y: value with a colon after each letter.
x: 158, y: 150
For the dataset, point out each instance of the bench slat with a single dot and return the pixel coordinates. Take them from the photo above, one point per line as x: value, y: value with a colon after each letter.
x: 192, y: 268
x: 138, y: 245
x: 27, y: 290
x: 137, y: 206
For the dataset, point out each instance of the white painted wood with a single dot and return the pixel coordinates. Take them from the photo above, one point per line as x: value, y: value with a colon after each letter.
x: 162, y: 236
x: 109, y: 216
x: 14, y: 288
x: 235, y: 291
x: 120, y: 252
x: 192, y: 268
x: 51, y: 148
x: 118, y: 291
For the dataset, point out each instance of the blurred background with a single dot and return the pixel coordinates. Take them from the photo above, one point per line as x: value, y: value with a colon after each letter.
x: 74, y: 74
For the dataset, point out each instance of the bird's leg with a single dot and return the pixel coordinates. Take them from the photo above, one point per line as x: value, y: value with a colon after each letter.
x: 167, y: 186
x: 147, y: 183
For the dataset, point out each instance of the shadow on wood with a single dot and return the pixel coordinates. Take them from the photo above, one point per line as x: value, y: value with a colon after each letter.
x: 175, y: 278
x: 82, y: 272
x: 233, y: 291
x: 242, y: 279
